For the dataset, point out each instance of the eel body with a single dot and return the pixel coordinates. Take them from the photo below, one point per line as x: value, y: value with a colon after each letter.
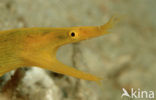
x: 38, y: 47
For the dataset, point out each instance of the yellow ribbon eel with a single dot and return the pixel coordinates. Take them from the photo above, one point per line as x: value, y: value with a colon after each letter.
x: 38, y: 46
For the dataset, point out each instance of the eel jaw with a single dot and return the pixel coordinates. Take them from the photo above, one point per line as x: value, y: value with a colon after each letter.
x: 70, y: 71
x: 96, y: 31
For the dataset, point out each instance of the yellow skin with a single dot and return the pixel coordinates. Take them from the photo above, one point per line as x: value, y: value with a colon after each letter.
x: 38, y: 46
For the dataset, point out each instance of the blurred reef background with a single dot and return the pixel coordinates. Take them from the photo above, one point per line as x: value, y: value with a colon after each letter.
x: 126, y: 58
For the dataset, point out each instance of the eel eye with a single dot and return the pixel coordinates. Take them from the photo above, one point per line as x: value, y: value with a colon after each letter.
x: 73, y: 35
